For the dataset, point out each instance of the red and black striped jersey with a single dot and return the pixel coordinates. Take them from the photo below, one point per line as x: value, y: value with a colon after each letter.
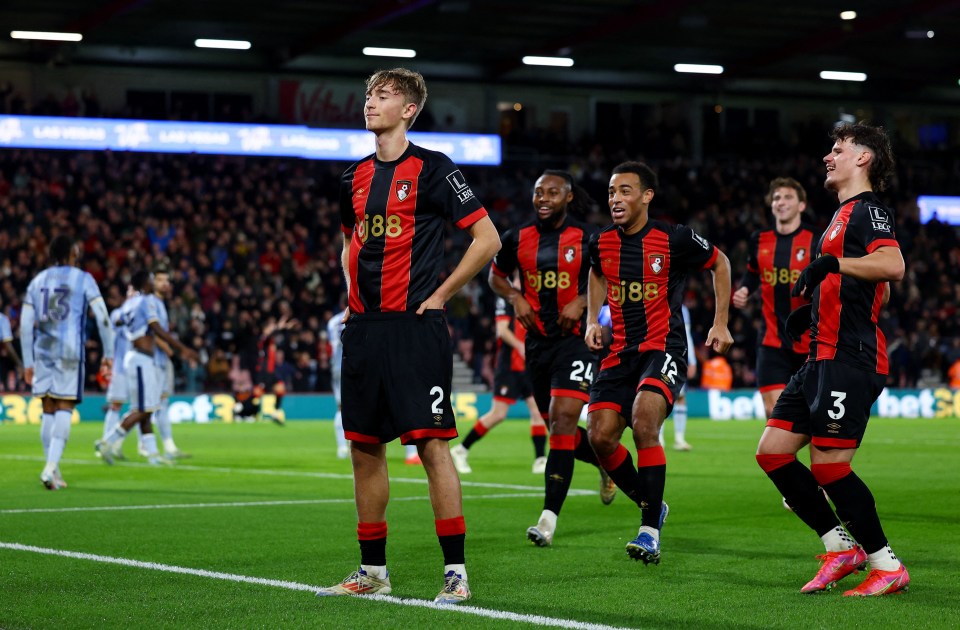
x: 394, y: 215
x: 777, y: 260
x: 646, y: 275
x: 553, y: 268
x: 845, y: 309
x: 507, y: 356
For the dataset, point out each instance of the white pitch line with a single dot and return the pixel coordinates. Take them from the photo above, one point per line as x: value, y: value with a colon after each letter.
x: 182, y: 506
x: 296, y: 473
x: 296, y: 586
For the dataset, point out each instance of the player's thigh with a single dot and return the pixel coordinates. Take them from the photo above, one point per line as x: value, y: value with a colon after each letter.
x: 418, y: 377
x: 143, y: 384
x: 792, y: 411
x: 117, y: 389
x: 661, y: 374
x: 361, y: 380
x: 68, y: 381
x: 572, y: 369
x: 776, y: 366
x: 539, y: 354
x: 841, y: 405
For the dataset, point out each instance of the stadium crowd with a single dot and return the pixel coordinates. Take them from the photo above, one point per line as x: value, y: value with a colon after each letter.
x: 250, y: 240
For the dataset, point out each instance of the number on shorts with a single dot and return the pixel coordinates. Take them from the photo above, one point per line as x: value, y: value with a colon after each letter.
x: 669, y: 369
x: 582, y: 371
x: 838, y: 398
x: 438, y: 392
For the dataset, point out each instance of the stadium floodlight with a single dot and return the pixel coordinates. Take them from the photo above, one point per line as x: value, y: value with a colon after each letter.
x: 848, y: 15
x: 558, y: 62
x: 225, y: 44
x: 698, y: 68
x: 374, y: 51
x: 835, y: 75
x: 47, y: 36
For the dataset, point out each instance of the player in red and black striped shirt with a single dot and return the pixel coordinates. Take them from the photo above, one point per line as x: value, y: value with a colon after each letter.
x: 827, y: 403
x: 550, y: 253
x: 640, y: 266
x: 510, y: 383
x: 397, y: 365
x: 776, y: 257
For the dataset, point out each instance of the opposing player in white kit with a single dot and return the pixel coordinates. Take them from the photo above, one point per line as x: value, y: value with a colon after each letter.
x: 6, y: 338
x: 117, y: 389
x: 334, y: 330
x: 142, y: 328
x: 52, y: 335
x: 162, y: 352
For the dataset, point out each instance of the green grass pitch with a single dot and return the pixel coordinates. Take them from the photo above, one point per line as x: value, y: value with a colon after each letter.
x: 732, y: 556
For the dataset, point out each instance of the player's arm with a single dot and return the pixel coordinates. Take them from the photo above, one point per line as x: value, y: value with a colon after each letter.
x: 748, y: 284
x: 12, y: 351
x: 102, y: 317
x: 521, y: 308
x: 345, y: 264
x: 182, y: 349
x: 26, y: 341
x: 485, y: 245
x: 596, y: 292
x: 719, y: 337
x: 883, y: 265
x: 751, y: 275
x: 507, y: 336
x: 164, y: 347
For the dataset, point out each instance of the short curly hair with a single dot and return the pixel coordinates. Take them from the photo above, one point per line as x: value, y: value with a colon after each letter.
x: 882, y: 166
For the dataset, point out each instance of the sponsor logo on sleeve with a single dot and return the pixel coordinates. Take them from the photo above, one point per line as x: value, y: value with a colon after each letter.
x: 879, y: 219
x: 459, y: 185
x: 702, y: 242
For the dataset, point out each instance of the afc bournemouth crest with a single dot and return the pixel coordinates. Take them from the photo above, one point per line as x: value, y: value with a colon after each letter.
x: 801, y: 254
x: 403, y: 189
x: 569, y: 254
x: 836, y: 230
x: 656, y: 262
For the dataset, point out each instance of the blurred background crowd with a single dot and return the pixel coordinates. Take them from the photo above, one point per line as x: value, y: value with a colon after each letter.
x: 250, y: 240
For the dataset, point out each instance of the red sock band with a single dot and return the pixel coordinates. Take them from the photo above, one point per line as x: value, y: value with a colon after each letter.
x: 653, y: 456
x: 480, y: 429
x: 371, y: 531
x: 563, y: 442
x: 769, y: 463
x: 828, y: 473
x: 451, y: 526
x: 613, y: 461
x: 536, y: 430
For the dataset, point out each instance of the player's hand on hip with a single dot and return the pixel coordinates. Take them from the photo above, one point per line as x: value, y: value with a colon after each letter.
x: 432, y: 303
x: 594, y: 336
x: 814, y: 273
x: 740, y: 297
x: 720, y: 339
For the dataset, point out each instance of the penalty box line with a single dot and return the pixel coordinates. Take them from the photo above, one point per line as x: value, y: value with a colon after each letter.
x: 296, y: 586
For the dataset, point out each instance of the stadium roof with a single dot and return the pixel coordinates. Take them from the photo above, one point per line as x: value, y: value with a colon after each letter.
x: 906, y: 49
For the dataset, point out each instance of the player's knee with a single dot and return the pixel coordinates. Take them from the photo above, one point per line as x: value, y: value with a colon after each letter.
x: 603, y: 441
